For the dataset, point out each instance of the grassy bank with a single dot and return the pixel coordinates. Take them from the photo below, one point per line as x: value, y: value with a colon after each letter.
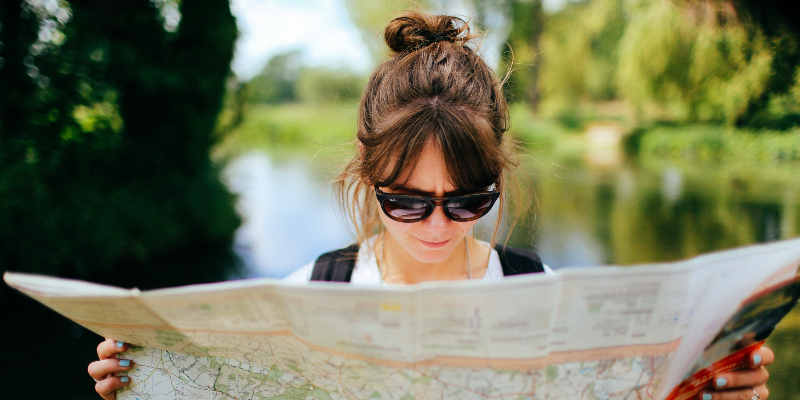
x: 309, y: 128
x: 783, y: 382
x: 295, y: 127
x: 711, y: 144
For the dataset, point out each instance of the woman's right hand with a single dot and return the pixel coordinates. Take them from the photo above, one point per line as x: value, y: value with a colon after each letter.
x: 103, y: 371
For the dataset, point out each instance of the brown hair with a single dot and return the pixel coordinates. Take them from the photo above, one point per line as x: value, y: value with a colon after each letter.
x: 433, y: 88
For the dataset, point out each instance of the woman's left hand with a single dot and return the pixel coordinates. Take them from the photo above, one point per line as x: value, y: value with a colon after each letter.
x: 744, y: 384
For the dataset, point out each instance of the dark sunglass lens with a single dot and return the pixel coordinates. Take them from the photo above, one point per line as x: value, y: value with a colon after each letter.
x: 405, y: 209
x: 470, y: 207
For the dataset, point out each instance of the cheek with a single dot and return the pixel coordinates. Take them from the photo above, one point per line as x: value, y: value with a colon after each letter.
x: 464, y: 227
x: 394, y: 227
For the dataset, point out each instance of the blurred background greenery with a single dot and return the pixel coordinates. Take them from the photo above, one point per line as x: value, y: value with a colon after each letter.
x: 655, y: 130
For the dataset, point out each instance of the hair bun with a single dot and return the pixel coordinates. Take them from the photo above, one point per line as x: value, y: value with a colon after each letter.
x: 414, y: 30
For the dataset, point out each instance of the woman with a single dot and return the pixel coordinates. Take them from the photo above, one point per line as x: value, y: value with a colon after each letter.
x: 432, y: 159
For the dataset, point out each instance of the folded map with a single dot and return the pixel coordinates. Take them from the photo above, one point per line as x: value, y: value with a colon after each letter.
x: 610, y: 332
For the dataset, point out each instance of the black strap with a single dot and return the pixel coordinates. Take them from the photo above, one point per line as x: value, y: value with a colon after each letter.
x: 518, y: 261
x: 338, y: 265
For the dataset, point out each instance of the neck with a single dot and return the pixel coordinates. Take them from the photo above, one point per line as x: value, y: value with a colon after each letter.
x: 398, y: 266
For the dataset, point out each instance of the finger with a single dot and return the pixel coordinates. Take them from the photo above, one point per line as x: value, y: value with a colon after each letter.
x: 110, y: 348
x: 107, y: 388
x: 735, y: 394
x: 743, y: 378
x: 98, y: 370
x: 762, y: 357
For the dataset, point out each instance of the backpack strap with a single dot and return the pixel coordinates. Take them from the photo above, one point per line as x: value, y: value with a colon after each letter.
x: 335, y: 266
x: 338, y: 265
x: 518, y: 261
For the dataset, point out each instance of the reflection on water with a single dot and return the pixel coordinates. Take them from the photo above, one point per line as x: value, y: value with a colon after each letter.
x: 629, y: 215
x: 588, y: 216
x: 289, y: 217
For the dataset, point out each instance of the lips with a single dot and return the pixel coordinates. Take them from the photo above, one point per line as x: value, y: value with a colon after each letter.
x: 434, y: 245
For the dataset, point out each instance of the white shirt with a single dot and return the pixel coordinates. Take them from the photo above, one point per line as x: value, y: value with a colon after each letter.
x: 366, y: 271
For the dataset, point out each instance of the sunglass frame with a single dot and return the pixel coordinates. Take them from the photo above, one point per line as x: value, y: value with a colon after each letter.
x: 433, y: 202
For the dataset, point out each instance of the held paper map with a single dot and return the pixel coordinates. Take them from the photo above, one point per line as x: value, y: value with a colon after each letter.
x: 587, y: 333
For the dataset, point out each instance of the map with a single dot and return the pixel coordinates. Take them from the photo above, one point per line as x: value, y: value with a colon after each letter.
x: 584, y: 333
x: 311, y: 374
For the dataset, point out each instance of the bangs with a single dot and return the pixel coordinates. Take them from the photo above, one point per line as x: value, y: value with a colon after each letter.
x: 468, y: 144
x: 470, y: 148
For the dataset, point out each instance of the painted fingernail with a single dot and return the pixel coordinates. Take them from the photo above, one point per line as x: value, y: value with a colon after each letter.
x: 756, y: 359
x: 124, y: 363
x: 706, y: 396
x: 120, y: 344
x: 721, y: 382
x: 124, y: 379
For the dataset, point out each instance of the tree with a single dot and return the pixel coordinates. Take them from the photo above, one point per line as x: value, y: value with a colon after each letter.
x: 523, y: 52
x: 107, y: 113
x: 780, y: 22
x: 277, y: 82
x: 579, y: 51
x: 106, y: 121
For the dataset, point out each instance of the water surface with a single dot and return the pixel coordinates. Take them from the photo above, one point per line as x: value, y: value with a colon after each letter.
x: 587, y: 215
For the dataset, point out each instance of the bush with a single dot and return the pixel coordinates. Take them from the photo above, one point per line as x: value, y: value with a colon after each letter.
x: 707, y: 144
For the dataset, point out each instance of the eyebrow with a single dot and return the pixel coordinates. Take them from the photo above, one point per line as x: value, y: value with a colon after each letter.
x: 423, y: 192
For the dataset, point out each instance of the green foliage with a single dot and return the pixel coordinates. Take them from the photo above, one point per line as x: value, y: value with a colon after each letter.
x: 580, y: 56
x: 522, y: 51
x: 654, y: 58
x: 545, y: 139
x: 675, y: 69
x: 284, y: 80
x: 709, y: 144
x: 730, y: 69
x: 277, y: 82
x: 323, y: 85
x: 292, y: 126
x: 106, y: 122
x: 684, y: 61
x: 782, y: 110
x: 783, y: 382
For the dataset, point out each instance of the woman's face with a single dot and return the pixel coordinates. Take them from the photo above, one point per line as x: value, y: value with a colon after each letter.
x: 435, y: 238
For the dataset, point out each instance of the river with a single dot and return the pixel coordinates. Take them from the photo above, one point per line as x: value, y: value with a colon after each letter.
x: 586, y: 215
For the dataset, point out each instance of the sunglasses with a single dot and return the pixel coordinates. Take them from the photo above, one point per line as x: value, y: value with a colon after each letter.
x: 413, y: 208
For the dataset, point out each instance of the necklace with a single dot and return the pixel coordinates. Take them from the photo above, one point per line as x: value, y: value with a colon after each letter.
x: 382, y: 261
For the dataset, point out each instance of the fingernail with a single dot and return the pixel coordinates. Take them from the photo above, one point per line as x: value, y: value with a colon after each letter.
x: 706, y: 396
x: 721, y: 382
x: 120, y: 344
x: 124, y: 379
x: 756, y: 359
x: 124, y: 363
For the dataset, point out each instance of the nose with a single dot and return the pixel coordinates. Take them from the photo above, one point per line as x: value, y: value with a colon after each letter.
x: 437, y: 222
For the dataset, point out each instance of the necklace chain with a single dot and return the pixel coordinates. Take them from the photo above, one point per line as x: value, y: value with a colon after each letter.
x: 382, y: 261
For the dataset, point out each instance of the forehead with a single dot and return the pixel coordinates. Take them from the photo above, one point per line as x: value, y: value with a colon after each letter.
x: 429, y: 175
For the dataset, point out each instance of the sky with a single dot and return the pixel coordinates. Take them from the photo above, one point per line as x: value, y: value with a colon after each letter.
x: 320, y: 28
